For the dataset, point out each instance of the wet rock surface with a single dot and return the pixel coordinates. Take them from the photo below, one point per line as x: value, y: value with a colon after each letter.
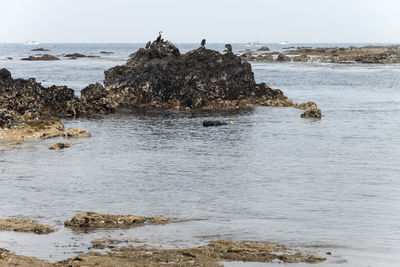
x: 17, y: 128
x: 161, y: 77
x: 209, y: 255
x: 92, y: 220
x: 24, y: 225
x: 43, y: 57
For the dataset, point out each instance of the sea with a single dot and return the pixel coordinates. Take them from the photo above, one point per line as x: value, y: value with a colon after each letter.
x: 329, y: 185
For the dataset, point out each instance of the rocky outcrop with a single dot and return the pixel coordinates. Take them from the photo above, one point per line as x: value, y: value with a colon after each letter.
x: 94, y: 100
x: 310, y: 110
x: 24, y: 225
x: 44, y: 57
x: 366, y: 54
x: 17, y: 128
x: 21, y: 95
x: 95, y: 220
x: 161, y: 77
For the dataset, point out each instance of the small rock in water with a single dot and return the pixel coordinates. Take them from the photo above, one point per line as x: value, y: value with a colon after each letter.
x: 76, y: 133
x: 59, y: 146
x: 213, y: 123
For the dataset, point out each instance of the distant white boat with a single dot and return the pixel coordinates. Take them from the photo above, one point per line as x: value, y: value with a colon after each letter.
x: 31, y: 42
x: 254, y: 44
x: 284, y: 43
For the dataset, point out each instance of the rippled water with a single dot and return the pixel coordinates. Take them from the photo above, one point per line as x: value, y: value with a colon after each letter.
x: 330, y: 185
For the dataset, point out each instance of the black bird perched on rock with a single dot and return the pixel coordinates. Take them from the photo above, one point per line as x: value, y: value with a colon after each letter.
x: 203, y: 42
x: 229, y: 48
x: 148, y: 44
x: 159, y: 37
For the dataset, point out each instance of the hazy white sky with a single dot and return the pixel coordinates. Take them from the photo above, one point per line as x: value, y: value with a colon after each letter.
x: 189, y: 21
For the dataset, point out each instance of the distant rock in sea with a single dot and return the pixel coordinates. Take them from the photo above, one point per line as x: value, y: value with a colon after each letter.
x: 44, y: 57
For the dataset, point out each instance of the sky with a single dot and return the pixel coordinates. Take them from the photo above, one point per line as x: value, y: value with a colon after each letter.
x: 219, y: 21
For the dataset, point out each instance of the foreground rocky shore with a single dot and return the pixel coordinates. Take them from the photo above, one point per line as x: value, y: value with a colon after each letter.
x: 145, y: 255
x: 366, y: 54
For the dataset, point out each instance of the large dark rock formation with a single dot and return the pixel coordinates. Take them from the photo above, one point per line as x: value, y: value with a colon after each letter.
x: 21, y: 95
x: 161, y: 77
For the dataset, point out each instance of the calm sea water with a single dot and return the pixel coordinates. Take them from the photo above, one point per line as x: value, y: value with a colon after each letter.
x: 329, y: 185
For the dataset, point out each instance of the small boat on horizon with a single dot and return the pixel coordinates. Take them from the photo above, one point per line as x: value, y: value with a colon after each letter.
x: 253, y: 44
x: 31, y: 42
x: 284, y: 43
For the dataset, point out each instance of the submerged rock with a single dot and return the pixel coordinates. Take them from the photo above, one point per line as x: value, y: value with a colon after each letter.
x: 161, y: 77
x: 44, y: 57
x: 76, y: 133
x: 40, y: 50
x: 94, y: 220
x: 24, y: 225
x: 58, y: 146
x: 213, y: 123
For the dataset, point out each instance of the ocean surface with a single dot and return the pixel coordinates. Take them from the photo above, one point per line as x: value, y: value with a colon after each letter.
x: 326, y: 185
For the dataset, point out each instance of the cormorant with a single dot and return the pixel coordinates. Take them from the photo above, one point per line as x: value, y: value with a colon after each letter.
x: 148, y: 44
x: 203, y: 42
x: 159, y: 37
x: 229, y: 48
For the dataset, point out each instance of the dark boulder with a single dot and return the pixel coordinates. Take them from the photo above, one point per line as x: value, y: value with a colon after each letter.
x: 4, y: 74
x: 282, y: 58
x: 161, y: 77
